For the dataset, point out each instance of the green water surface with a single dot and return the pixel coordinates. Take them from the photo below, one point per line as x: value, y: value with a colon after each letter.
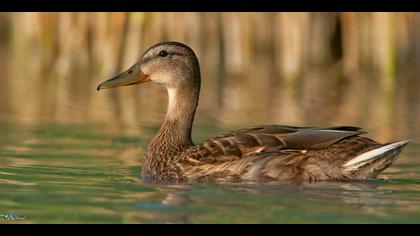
x: 81, y: 174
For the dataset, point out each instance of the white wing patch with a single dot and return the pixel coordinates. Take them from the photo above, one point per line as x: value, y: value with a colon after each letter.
x: 259, y: 150
x: 375, y: 153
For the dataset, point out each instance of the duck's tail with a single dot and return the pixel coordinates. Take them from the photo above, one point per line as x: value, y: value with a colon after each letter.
x: 369, y: 164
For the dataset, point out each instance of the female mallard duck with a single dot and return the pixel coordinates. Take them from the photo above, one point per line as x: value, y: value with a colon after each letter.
x: 259, y: 153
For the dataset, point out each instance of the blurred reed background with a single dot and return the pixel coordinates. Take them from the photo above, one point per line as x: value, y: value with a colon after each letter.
x: 311, y: 69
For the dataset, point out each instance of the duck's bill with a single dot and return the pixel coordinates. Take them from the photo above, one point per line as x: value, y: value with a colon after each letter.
x: 130, y: 77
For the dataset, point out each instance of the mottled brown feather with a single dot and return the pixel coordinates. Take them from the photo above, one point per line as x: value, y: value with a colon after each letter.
x: 258, y: 153
x: 273, y: 153
x: 271, y: 138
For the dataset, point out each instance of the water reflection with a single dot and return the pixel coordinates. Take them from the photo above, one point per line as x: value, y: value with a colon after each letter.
x: 182, y: 203
x: 317, y: 69
x: 69, y: 154
x: 364, y: 193
x: 71, y: 174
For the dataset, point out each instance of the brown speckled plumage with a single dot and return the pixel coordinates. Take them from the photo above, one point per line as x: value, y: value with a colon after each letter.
x: 259, y: 153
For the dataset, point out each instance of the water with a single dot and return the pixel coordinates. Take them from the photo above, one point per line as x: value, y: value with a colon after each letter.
x: 88, y: 174
x: 71, y: 154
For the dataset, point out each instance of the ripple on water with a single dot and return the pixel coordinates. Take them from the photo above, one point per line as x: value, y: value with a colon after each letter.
x: 72, y: 174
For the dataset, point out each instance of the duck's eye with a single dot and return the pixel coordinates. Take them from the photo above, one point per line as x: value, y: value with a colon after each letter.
x: 163, y: 53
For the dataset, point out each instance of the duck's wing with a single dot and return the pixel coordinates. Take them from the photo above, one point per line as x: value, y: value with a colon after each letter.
x: 267, y: 139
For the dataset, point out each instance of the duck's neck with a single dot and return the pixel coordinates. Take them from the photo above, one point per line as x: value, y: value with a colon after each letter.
x: 177, y: 126
x: 174, y: 135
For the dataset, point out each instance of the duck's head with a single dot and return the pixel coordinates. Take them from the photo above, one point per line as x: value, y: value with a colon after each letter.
x: 172, y: 64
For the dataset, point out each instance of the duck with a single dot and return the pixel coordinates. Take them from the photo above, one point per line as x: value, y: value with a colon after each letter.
x: 262, y: 153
